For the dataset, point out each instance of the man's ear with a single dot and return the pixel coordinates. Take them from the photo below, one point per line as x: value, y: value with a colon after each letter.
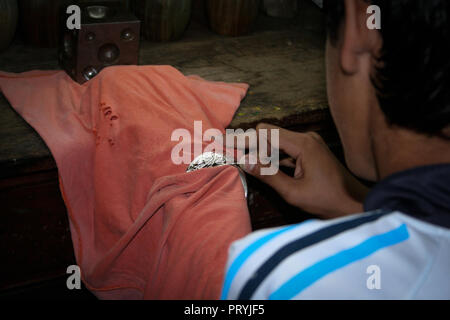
x: 358, y: 41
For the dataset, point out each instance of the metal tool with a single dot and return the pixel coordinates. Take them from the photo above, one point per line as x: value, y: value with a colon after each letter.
x: 212, y: 159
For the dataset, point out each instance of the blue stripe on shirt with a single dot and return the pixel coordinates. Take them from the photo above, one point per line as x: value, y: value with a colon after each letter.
x: 247, y: 252
x: 307, y: 277
x: 301, y: 243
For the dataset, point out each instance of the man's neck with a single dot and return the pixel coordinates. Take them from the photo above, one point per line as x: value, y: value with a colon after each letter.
x: 397, y: 149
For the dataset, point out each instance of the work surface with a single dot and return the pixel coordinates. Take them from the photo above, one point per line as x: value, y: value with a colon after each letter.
x: 281, y: 60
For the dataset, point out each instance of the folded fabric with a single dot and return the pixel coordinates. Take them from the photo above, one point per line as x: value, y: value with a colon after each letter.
x: 141, y: 227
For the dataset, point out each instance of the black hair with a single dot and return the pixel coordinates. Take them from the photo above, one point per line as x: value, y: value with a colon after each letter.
x: 413, y: 82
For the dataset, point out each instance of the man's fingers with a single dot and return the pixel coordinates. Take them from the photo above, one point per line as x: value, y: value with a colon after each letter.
x: 294, y: 164
x: 285, y: 185
x: 251, y: 139
x: 288, y: 141
x: 287, y: 162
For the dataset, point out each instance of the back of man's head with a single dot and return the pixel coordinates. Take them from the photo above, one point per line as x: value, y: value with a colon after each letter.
x: 413, y: 82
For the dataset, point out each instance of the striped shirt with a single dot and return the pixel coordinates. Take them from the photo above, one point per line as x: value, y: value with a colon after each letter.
x: 380, y: 254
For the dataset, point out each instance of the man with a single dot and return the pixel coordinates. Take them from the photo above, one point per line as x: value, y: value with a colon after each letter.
x: 389, y: 95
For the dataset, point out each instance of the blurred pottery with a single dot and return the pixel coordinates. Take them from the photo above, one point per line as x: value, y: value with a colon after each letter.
x: 232, y: 17
x: 163, y: 20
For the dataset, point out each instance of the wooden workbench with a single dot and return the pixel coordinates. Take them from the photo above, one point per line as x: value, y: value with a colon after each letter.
x: 282, y: 60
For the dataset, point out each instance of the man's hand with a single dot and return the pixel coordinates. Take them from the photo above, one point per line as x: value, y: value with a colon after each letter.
x: 321, y: 184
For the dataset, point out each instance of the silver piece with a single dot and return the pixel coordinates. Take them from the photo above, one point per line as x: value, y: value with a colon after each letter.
x: 212, y: 159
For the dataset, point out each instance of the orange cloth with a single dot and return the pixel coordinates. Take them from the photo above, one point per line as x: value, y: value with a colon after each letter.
x: 141, y: 227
